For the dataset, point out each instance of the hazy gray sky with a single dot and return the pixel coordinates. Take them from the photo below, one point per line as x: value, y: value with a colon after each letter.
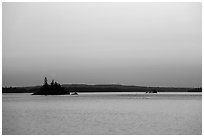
x: 149, y: 44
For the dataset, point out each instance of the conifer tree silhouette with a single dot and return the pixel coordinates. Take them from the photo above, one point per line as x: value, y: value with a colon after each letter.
x: 45, y: 81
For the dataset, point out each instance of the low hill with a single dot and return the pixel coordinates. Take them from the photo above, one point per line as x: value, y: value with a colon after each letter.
x: 101, y: 88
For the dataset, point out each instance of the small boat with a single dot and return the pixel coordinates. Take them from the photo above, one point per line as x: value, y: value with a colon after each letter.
x: 75, y: 93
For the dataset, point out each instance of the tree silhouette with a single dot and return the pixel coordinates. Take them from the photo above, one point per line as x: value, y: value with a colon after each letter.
x: 45, y: 81
x: 52, y: 83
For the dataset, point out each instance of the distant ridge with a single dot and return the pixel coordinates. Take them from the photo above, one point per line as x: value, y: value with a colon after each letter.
x: 102, y: 88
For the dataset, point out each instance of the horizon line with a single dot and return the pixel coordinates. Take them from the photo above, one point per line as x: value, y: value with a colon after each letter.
x: 105, y: 85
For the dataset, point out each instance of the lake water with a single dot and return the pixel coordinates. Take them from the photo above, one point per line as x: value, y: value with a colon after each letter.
x: 113, y: 113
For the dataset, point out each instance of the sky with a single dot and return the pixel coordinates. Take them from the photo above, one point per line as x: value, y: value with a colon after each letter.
x: 144, y: 44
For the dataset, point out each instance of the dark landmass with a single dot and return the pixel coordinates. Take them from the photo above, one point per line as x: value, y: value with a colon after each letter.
x: 100, y: 88
x: 195, y: 90
x: 53, y: 89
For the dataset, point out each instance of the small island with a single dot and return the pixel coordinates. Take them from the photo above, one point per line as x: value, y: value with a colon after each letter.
x: 53, y: 89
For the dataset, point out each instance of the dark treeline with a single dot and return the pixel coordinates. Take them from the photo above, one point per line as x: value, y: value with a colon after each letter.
x: 55, y: 88
x: 195, y: 90
x: 122, y: 88
x: 97, y: 88
x: 14, y: 90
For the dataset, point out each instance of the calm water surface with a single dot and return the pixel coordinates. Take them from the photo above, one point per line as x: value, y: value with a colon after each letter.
x: 113, y: 113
